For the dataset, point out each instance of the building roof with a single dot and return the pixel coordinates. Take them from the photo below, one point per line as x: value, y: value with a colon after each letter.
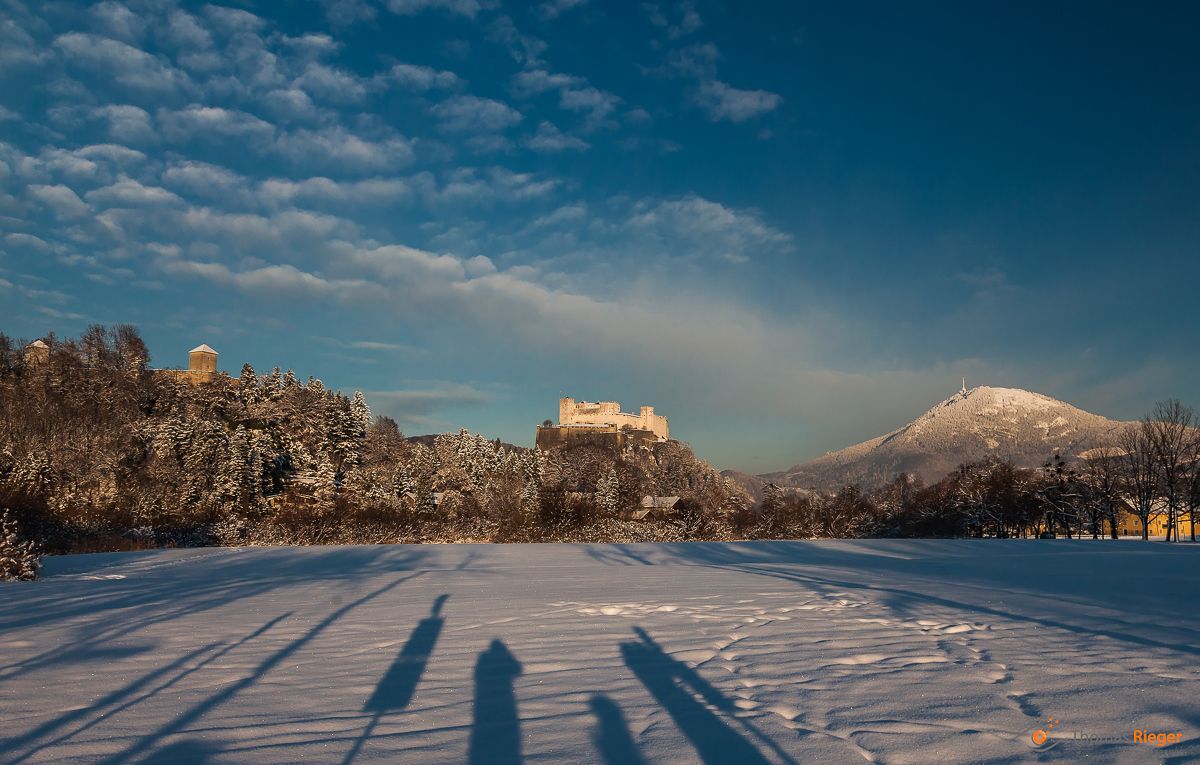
x: 203, y: 348
x: 38, y: 344
x: 660, y: 502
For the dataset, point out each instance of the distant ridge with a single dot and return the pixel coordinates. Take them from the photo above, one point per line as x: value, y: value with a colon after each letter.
x: 1018, y: 425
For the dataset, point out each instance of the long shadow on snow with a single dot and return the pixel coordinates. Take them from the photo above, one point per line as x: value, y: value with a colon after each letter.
x: 189, y: 751
x: 395, y: 689
x: 1041, y: 574
x: 495, y: 727
x: 182, y: 721
x: 124, y: 698
x: 188, y: 586
x: 910, y: 604
x: 612, y: 737
x: 684, y: 694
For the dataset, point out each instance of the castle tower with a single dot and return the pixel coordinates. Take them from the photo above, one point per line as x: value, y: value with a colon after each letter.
x: 202, y: 358
x: 37, y: 353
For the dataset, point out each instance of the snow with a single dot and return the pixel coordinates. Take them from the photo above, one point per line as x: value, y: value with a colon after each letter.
x: 897, y: 651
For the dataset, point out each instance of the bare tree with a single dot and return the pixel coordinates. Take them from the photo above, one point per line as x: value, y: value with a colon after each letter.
x: 1140, y: 472
x: 1191, y: 499
x: 1170, y: 433
x: 1101, y: 472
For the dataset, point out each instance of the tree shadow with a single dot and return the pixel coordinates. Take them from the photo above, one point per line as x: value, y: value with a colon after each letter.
x: 687, y: 696
x: 395, y: 689
x: 130, y: 695
x: 612, y: 737
x: 495, y: 729
x: 167, y: 585
x: 190, y: 751
x: 910, y: 603
x: 183, y: 720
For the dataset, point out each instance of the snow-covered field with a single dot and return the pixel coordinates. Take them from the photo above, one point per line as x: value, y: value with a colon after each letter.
x: 824, y: 652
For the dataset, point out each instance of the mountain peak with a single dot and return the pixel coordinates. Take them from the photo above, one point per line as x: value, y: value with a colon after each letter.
x: 974, y: 423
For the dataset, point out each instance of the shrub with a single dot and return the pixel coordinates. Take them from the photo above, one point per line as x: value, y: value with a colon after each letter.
x: 20, y: 559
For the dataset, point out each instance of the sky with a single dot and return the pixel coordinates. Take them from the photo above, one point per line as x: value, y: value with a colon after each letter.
x: 789, y: 227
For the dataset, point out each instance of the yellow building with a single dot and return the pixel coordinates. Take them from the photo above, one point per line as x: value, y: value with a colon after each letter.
x: 1129, y: 525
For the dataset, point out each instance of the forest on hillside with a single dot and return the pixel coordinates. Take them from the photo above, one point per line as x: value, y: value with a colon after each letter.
x: 98, y: 451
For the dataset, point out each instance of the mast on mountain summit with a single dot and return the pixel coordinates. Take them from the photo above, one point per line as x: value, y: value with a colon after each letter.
x: 964, y: 387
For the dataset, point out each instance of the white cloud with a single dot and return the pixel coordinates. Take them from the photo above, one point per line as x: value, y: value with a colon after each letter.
x: 472, y: 114
x: 205, y: 123
x: 276, y: 281
x: 422, y: 78
x: 574, y: 94
x: 720, y: 100
x: 233, y: 20
x: 532, y: 82
x: 122, y: 64
x: 552, y: 9
x: 113, y: 153
x: 17, y: 46
x: 570, y: 213
x: 313, y: 45
x: 118, y: 21
x: 63, y: 200
x: 468, y: 8
x: 126, y: 123
x: 328, y: 191
x: 342, y: 13
x: 416, y: 404
x: 549, y: 138
x: 525, y: 49
x: 290, y: 104
x: 333, y: 84
x: 698, y: 227
x: 183, y: 30
x: 725, y: 102
x: 28, y: 242
x: 337, y: 148
x: 688, y: 19
x: 204, y: 180
x: 473, y: 186
x: 128, y: 192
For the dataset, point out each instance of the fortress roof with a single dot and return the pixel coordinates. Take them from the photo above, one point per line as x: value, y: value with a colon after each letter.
x: 38, y: 344
x: 203, y: 348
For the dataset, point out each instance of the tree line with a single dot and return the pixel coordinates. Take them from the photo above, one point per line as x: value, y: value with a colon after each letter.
x: 1148, y: 470
x: 98, y: 451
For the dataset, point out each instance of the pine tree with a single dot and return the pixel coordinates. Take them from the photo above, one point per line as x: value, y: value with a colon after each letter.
x: 608, y: 491
x: 20, y: 559
x: 326, y: 483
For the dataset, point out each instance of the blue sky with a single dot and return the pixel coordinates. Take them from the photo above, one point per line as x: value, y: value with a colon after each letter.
x: 788, y: 226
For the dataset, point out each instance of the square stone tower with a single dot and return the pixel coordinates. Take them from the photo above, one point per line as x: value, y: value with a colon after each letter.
x: 202, y: 359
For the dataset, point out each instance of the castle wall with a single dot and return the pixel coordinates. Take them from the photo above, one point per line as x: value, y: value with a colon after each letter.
x: 571, y: 412
x: 606, y: 436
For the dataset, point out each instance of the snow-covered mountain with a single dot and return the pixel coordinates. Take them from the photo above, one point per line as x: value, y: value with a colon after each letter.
x: 1026, y: 428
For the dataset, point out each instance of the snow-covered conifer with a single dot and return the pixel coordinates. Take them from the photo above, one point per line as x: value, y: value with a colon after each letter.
x: 20, y: 559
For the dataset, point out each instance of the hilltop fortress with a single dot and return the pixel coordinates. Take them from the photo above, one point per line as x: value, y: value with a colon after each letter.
x: 601, y: 423
x: 202, y: 363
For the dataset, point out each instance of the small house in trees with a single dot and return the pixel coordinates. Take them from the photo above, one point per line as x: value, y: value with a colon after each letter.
x: 655, y: 508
